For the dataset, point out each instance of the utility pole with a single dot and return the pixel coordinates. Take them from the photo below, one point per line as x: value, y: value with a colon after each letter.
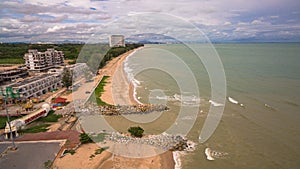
x: 8, y: 120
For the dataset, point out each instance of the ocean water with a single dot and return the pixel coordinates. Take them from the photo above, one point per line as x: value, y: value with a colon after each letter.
x: 261, y: 131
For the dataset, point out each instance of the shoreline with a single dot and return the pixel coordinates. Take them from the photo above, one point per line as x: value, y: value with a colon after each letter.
x: 115, y: 69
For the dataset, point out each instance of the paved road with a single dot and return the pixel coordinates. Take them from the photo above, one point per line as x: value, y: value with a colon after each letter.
x: 29, y: 155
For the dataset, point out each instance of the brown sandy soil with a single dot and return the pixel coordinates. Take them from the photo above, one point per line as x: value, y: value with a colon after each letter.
x: 66, y: 61
x: 54, y: 127
x: 81, y: 159
x: 8, y: 67
x: 106, y: 160
x: 163, y: 161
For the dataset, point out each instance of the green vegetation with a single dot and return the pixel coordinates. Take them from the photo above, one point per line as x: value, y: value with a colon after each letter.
x: 3, y: 120
x: 48, y: 164
x: 99, y: 138
x: 11, y: 60
x: 117, y: 51
x: 136, y: 131
x: 98, y: 92
x: 98, y: 151
x: 14, y: 53
x: 51, y: 117
x: 72, y: 152
x: 67, y: 77
x: 36, y: 129
x: 84, y: 138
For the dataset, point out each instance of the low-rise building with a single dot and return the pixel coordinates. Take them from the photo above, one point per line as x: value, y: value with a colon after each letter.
x: 41, y: 61
x: 13, y: 74
x: 37, y: 85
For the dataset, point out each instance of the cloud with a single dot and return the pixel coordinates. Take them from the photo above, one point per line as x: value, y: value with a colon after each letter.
x: 55, y: 29
x: 29, y: 18
x: 219, y: 19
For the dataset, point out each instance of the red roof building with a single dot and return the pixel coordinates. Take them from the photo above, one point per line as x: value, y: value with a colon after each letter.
x: 59, y: 100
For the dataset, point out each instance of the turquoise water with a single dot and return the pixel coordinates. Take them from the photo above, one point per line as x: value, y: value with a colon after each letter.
x: 264, y: 77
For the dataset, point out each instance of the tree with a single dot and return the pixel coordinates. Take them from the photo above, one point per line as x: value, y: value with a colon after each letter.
x: 67, y: 77
x: 136, y: 131
x: 84, y: 138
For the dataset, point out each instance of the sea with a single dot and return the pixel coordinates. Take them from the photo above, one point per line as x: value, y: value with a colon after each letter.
x: 260, y: 122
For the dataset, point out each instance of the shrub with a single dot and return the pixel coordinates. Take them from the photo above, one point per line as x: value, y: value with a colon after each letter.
x: 84, y: 138
x: 136, y: 131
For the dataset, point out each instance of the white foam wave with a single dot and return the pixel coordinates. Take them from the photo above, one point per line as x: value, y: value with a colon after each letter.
x: 208, y: 154
x: 232, y: 100
x: 187, y: 100
x: 212, y: 154
x: 130, y: 76
x: 177, y: 160
x: 215, y: 103
x: 187, y: 118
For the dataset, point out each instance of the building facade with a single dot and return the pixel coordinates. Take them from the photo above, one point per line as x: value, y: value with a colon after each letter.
x: 13, y: 74
x: 116, y: 41
x: 38, y: 85
x: 41, y: 61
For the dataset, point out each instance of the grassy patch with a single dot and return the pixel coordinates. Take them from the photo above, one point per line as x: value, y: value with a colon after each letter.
x: 72, y: 152
x: 51, y: 117
x: 84, y: 138
x: 100, y: 150
x: 99, y: 138
x: 48, y: 164
x: 16, y: 60
x: 36, y: 129
x: 99, y: 90
x: 3, y: 120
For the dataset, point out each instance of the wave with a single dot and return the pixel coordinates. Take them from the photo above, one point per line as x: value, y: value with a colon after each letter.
x: 269, y: 107
x: 230, y: 99
x: 177, y: 160
x: 208, y: 154
x: 187, y: 118
x: 215, y: 103
x: 130, y: 76
x: 212, y: 154
x: 185, y: 99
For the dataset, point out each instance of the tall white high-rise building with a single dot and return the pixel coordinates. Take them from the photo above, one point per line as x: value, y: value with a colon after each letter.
x: 116, y: 41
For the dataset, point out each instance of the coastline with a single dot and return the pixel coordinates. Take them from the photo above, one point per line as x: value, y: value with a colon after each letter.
x: 126, y: 95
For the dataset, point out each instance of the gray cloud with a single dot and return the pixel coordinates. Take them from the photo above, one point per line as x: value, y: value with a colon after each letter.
x: 219, y: 19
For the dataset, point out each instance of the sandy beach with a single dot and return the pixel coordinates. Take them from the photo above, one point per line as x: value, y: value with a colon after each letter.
x: 118, y: 85
x: 117, y: 82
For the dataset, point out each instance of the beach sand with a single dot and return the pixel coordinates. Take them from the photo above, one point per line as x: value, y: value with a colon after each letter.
x: 117, y: 83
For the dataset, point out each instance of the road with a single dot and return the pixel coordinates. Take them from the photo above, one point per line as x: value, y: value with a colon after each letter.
x: 29, y: 155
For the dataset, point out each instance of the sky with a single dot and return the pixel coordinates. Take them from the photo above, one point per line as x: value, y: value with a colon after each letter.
x: 219, y: 20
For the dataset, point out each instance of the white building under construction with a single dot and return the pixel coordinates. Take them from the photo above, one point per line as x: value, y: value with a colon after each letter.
x: 41, y: 61
x: 37, y: 85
